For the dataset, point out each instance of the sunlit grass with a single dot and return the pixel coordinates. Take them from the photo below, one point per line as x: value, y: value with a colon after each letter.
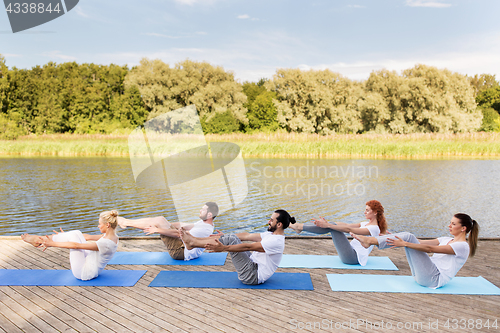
x: 366, y: 145
x: 472, y: 145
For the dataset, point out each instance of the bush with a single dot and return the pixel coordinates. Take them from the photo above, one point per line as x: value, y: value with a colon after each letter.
x: 9, y: 129
x: 491, y: 120
x: 220, y: 123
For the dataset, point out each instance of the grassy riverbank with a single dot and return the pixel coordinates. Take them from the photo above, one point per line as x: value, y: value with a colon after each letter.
x: 469, y: 145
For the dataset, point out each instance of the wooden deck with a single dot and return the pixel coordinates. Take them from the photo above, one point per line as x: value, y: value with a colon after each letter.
x: 144, y: 309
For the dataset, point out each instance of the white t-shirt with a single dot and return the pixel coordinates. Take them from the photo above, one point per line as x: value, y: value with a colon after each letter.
x: 199, y: 230
x: 362, y: 252
x: 268, y: 261
x: 449, y: 264
x: 95, y: 261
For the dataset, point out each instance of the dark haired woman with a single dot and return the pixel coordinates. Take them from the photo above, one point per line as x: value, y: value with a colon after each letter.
x: 87, y: 259
x: 351, y: 253
x: 450, y: 253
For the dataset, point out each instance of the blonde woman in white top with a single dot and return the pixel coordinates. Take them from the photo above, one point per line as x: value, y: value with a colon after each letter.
x: 87, y: 259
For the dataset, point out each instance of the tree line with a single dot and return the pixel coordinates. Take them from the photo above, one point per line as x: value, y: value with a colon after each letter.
x: 89, y: 98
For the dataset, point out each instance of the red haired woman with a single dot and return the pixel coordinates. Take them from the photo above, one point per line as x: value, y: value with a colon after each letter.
x: 352, y: 253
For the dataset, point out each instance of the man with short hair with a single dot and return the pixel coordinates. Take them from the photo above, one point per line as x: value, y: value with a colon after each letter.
x: 267, y: 247
x: 169, y: 232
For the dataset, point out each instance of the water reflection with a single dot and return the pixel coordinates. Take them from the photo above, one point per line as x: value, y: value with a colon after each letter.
x: 44, y: 193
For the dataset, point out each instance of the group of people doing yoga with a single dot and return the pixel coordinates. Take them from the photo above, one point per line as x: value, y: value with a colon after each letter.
x: 257, y: 260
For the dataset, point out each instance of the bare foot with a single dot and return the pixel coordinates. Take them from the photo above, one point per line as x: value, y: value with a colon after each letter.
x: 364, y: 240
x: 122, y: 222
x: 187, y: 238
x: 297, y: 227
x: 34, y: 240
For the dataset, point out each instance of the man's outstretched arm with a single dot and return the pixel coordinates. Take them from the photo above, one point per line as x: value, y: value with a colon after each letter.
x: 217, y: 246
x: 178, y: 225
x: 166, y: 232
x: 250, y: 237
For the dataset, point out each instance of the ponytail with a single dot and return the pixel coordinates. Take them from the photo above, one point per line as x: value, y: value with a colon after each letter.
x: 471, y: 227
x: 284, y: 218
x: 473, y: 237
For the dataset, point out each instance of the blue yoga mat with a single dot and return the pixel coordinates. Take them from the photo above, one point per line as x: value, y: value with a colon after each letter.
x: 193, y: 279
x: 322, y: 261
x: 406, y: 284
x: 57, y: 277
x: 163, y: 258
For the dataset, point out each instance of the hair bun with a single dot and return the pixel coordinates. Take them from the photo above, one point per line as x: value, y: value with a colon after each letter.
x: 114, y: 213
x: 292, y: 220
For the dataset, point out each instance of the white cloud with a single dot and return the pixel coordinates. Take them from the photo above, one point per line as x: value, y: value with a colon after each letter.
x: 245, y: 17
x: 11, y: 55
x: 57, y: 55
x: 427, y: 3
x: 186, y: 2
x: 463, y: 63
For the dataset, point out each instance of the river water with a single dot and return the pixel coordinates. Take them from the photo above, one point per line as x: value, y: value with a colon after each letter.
x: 39, y: 194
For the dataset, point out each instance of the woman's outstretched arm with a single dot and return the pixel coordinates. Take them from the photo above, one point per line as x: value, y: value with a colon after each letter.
x: 48, y: 242
x: 344, y: 227
x: 86, y: 236
x: 434, y: 241
x: 424, y: 247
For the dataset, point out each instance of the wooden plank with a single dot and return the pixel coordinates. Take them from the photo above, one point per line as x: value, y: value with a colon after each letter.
x: 35, y: 306
x: 50, y: 304
x: 142, y: 308
x: 6, y: 325
x: 91, y: 319
x: 22, y: 317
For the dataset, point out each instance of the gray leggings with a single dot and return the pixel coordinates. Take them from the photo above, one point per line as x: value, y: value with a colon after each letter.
x: 346, y: 253
x: 247, y: 269
x: 422, y: 268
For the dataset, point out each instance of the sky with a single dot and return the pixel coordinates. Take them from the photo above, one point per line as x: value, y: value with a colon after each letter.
x: 254, y: 38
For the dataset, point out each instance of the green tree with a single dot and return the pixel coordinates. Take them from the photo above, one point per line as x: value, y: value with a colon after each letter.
x: 252, y: 90
x: 9, y: 129
x: 3, y: 85
x: 128, y: 108
x: 211, y: 89
x: 422, y: 99
x: 316, y: 101
x: 262, y: 114
x: 489, y: 98
x: 20, y: 98
x: 68, y: 97
x: 221, y: 123
x: 491, y: 120
x: 482, y: 82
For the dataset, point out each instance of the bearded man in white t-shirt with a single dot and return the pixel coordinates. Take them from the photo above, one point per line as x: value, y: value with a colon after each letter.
x: 170, y: 232
x: 252, y: 267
